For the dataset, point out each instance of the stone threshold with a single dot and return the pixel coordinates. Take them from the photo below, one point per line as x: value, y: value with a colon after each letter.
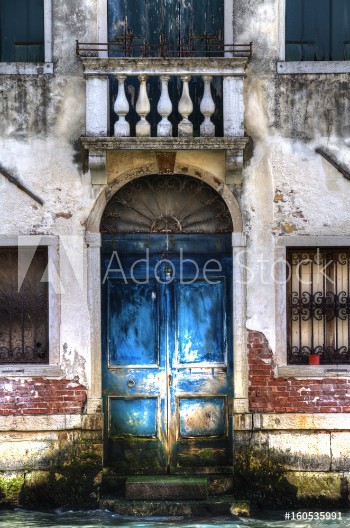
x: 225, y: 506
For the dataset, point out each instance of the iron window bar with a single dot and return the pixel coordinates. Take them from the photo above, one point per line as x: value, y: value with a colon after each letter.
x: 23, y: 311
x: 318, y: 305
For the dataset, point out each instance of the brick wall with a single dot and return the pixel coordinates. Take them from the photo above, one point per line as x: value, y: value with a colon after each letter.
x: 41, y: 396
x: 270, y: 394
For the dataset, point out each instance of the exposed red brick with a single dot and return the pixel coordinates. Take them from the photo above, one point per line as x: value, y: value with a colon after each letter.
x: 41, y: 396
x: 270, y: 394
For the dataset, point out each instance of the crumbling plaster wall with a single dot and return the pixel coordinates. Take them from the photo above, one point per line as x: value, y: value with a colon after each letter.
x: 42, y: 118
x: 288, y: 188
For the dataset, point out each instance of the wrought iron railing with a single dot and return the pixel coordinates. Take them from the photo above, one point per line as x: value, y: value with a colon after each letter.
x: 201, y: 46
x: 319, y: 305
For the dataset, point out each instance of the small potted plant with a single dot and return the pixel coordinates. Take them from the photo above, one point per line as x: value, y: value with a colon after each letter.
x: 314, y: 358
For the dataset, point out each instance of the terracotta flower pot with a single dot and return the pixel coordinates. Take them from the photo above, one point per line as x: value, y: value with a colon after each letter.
x: 314, y: 359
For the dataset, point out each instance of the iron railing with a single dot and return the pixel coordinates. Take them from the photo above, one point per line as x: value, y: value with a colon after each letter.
x: 130, y: 46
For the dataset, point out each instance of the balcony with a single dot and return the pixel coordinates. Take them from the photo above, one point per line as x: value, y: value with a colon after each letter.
x: 189, y: 98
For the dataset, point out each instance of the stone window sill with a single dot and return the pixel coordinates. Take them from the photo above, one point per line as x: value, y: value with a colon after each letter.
x: 30, y: 371
x: 26, y: 68
x: 313, y: 371
x: 313, y: 67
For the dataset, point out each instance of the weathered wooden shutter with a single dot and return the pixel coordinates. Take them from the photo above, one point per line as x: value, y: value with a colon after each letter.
x: 317, y: 30
x: 171, y: 22
x: 22, y: 30
x: 340, y: 30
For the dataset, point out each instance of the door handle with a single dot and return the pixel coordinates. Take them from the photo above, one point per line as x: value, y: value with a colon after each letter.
x: 131, y: 383
x: 169, y: 380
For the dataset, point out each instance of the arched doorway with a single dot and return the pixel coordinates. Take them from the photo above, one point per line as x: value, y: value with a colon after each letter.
x: 167, y: 344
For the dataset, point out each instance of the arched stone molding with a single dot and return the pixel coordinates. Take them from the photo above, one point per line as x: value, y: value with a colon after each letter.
x: 93, y: 241
x: 94, y: 220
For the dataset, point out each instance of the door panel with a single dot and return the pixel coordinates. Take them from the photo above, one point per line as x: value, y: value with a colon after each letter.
x: 133, y: 323
x: 202, y: 417
x: 134, y: 417
x: 167, y: 362
x: 201, y: 322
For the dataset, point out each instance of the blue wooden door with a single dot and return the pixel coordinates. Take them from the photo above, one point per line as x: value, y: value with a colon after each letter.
x: 167, y: 352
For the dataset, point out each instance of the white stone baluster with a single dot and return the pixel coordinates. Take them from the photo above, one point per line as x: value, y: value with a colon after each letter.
x: 121, y: 108
x: 164, y: 109
x: 143, y: 108
x: 207, y: 107
x: 185, y: 108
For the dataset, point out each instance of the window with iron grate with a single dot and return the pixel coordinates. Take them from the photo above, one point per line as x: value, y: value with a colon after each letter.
x: 22, y: 31
x: 23, y: 306
x: 318, y: 305
x: 317, y: 30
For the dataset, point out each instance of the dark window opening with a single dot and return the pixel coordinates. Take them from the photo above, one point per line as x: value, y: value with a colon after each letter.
x: 22, y: 31
x: 317, y: 30
x: 318, y: 305
x: 24, y: 309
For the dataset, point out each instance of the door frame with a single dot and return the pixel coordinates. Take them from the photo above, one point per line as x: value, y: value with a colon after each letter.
x: 93, y: 245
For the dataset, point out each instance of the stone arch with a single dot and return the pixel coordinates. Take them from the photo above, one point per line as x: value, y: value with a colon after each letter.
x: 94, y: 219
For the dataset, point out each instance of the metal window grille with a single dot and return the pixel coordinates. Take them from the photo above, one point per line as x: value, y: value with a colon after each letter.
x: 318, y: 301
x: 24, y: 310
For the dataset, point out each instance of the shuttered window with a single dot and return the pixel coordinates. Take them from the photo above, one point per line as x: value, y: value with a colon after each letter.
x: 317, y: 30
x: 22, y: 30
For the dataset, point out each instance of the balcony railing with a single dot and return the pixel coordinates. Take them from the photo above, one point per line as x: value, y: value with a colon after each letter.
x: 131, y: 46
x: 188, y: 91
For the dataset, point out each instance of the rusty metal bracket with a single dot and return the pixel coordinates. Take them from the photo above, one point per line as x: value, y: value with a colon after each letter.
x: 328, y: 156
x: 19, y: 185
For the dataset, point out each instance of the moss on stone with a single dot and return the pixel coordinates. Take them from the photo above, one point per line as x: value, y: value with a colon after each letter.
x: 73, y: 487
x: 320, y: 488
x: 72, y: 481
x: 10, y: 488
x: 259, y: 476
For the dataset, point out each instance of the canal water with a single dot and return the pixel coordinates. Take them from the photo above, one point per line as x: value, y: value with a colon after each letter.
x: 99, y: 519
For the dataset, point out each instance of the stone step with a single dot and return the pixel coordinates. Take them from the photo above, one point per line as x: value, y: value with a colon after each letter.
x: 218, y: 484
x: 214, y: 507
x: 141, y: 488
